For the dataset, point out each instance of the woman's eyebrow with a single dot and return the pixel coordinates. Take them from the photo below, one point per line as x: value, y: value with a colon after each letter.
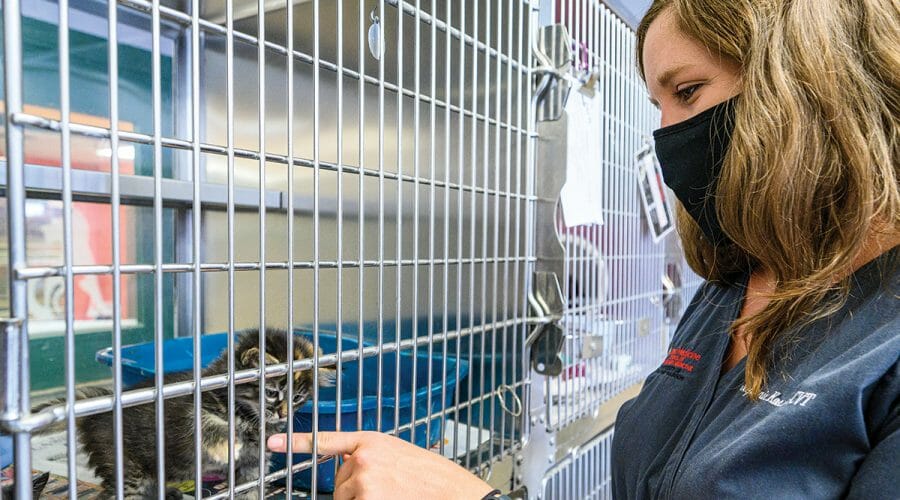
x: 666, y: 77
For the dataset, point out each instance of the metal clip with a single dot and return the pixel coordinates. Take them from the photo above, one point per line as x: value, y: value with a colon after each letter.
x: 517, y: 401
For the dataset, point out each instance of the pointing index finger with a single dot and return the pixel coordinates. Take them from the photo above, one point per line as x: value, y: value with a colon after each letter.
x: 330, y: 443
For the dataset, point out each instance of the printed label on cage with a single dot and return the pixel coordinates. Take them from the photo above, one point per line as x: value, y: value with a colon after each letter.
x: 653, y: 193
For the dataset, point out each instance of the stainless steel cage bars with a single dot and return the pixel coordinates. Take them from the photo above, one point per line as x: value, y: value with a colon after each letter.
x: 363, y: 170
x: 584, y: 473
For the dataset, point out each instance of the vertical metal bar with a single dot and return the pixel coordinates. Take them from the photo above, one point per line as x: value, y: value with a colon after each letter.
x: 316, y: 216
x: 380, y: 299
x: 590, y: 364
x: 119, y: 461
x: 361, y: 220
x: 607, y: 178
x: 289, y: 456
x: 461, y: 69
x: 529, y: 206
x: 431, y: 220
x: 627, y: 243
x: 523, y: 100
x: 584, y: 284
x: 486, y: 89
x: 157, y: 254
x: 416, y: 176
x: 66, y: 158
x: 507, y: 226
x: 496, y: 209
x: 229, y: 145
x: 472, y: 208
x: 196, y: 311
x: 399, y: 270
x: 16, y: 399
x: 445, y: 312
x: 496, y: 249
x: 261, y: 117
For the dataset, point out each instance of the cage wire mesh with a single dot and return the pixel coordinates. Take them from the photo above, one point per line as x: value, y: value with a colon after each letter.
x: 612, y: 270
x: 355, y: 171
x: 359, y: 172
x: 584, y: 474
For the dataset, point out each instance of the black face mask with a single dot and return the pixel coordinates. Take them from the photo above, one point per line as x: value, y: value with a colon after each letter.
x: 690, y: 155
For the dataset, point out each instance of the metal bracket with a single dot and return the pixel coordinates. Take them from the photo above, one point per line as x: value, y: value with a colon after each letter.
x: 553, y: 50
x: 546, y: 340
x: 545, y: 296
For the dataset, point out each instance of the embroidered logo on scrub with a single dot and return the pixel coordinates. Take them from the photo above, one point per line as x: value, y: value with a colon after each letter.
x: 679, y: 361
x: 682, y: 358
x: 800, y: 398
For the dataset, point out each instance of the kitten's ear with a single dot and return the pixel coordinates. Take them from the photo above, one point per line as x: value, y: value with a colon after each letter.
x: 250, y: 357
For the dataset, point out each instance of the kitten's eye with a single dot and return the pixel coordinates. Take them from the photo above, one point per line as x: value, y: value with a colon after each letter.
x: 271, y: 394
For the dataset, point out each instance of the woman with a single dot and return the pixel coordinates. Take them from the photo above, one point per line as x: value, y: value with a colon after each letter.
x: 781, y: 140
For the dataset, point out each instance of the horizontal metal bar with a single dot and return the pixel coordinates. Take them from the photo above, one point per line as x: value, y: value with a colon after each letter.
x: 181, y: 17
x: 92, y: 406
x: 93, y: 186
x: 51, y: 271
x: 98, y: 132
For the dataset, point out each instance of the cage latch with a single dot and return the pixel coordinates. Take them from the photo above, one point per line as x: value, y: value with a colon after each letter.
x: 546, y: 340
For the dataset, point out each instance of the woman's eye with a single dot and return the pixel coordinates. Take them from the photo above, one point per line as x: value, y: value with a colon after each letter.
x: 685, y: 94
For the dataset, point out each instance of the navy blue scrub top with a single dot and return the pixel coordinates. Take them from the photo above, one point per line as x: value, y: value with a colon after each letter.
x: 826, y: 426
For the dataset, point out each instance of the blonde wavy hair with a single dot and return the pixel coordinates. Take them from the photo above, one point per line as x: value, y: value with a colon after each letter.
x: 812, y: 170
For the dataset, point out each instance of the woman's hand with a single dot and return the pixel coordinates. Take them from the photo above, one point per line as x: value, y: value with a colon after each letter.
x: 378, y: 466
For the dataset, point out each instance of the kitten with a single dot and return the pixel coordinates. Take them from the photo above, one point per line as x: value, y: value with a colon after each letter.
x: 139, y: 429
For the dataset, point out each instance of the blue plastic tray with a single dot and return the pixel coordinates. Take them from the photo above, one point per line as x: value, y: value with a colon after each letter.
x: 137, y: 365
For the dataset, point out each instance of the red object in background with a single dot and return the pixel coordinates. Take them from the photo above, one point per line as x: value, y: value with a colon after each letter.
x: 91, y: 222
x: 575, y: 371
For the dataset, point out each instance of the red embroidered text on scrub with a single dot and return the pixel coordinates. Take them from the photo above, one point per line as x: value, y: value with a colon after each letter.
x: 682, y: 358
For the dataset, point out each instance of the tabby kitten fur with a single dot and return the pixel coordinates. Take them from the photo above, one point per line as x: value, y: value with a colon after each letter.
x: 139, y: 429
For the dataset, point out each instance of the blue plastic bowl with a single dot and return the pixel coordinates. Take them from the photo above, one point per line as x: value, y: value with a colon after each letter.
x: 6, y: 451
x: 137, y: 365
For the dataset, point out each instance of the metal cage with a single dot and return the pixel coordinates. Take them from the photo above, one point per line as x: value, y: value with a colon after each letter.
x: 368, y: 172
x: 582, y: 474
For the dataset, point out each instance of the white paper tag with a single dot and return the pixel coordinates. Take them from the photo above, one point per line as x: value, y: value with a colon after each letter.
x: 581, y: 199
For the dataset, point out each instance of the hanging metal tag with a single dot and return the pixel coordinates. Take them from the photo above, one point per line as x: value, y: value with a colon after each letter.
x: 376, y: 37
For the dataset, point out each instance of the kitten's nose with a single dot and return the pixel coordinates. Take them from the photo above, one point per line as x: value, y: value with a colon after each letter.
x: 283, y: 410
